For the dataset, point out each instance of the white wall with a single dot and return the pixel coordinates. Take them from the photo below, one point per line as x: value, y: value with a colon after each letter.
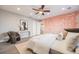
x: 36, y: 28
x: 10, y: 22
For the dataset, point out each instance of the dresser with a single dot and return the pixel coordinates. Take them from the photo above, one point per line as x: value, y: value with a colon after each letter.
x: 24, y: 34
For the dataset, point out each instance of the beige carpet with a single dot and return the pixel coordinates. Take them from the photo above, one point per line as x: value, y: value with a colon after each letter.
x: 22, y: 48
x: 7, y: 48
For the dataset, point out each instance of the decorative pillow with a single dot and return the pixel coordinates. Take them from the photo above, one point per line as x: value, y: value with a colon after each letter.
x: 60, y: 36
x: 65, y: 34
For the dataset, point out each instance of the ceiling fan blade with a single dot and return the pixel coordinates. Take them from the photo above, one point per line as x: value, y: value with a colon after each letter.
x: 46, y: 10
x: 35, y: 9
x: 42, y: 13
x: 42, y: 7
x: 37, y: 13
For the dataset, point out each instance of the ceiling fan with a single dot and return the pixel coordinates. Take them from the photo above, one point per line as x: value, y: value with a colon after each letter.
x: 41, y: 10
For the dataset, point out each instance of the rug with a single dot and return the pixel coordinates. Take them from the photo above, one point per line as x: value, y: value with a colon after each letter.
x: 22, y: 48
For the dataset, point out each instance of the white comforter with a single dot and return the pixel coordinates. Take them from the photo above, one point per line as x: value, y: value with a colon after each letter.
x: 42, y: 43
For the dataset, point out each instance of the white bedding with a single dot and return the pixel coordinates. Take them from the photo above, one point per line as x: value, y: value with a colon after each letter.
x: 42, y: 43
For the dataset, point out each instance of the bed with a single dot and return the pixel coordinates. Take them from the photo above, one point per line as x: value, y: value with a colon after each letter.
x: 43, y: 43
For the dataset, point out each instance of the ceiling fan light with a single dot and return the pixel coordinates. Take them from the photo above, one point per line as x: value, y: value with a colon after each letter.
x: 63, y: 8
x: 40, y: 12
x: 18, y: 9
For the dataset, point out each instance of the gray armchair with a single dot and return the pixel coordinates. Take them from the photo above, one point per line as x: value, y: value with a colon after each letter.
x: 13, y: 37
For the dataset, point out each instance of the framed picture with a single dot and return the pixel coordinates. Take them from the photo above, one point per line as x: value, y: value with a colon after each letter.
x: 23, y: 24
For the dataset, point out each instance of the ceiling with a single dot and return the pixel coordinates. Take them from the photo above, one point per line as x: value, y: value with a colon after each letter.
x: 26, y: 10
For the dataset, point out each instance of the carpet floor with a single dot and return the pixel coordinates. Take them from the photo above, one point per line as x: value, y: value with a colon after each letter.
x: 7, y: 48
